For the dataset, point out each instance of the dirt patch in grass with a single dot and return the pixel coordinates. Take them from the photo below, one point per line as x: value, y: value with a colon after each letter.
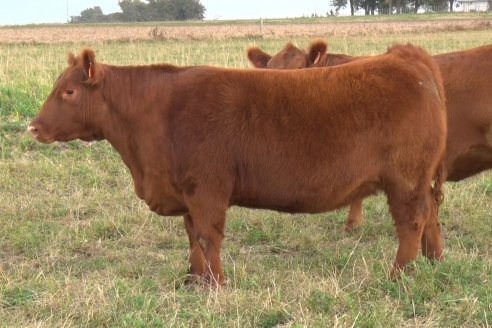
x: 96, y: 33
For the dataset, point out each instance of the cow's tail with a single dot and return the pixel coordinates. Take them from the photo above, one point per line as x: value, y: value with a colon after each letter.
x: 439, y: 179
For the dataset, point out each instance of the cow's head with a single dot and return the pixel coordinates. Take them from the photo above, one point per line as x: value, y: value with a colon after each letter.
x: 290, y: 57
x: 75, y: 108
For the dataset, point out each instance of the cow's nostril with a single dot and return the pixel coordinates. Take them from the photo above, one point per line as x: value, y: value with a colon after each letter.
x: 32, y: 129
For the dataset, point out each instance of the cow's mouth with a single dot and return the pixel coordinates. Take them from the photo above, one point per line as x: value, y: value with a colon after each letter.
x: 36, y: 135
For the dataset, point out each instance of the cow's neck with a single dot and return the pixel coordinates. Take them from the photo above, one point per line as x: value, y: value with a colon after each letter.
x: 137, y: 128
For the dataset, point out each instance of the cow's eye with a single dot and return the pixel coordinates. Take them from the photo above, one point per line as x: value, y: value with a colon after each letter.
x: 69, y: 92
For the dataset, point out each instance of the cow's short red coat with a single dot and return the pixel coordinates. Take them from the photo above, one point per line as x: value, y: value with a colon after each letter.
x: 200, y: 139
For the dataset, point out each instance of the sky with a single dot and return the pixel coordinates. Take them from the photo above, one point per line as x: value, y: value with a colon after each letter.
x: 20, y: 12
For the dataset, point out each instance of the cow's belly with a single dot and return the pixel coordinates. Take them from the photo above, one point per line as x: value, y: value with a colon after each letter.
x: 469, y: 163
x: 312, y: 198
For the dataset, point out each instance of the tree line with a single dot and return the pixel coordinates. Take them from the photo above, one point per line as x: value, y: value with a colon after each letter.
x: 370, y: 7
x: 139, y: 11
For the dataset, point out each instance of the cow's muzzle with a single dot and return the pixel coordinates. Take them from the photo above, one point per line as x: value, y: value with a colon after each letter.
x: 34, y: 130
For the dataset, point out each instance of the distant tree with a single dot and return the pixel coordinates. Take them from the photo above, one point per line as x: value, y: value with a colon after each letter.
x: 414, y: 5
x: 390, y: 6
x: 134, y: 10
x: 370, y: 6
x: 187, y: 9
x: 115, y: 17
x: 160, y: 10
x: 89, y: 15
x: 352, y: 7
x: 398, y: 6
x: 436, y: 5
x: 338, y: 4
x: 150, y: 10
x: 451, y: 5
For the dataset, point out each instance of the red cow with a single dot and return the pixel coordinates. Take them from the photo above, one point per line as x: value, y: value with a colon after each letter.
x: 291, y: 57
x: 198, y: 140
x: 467, y: 77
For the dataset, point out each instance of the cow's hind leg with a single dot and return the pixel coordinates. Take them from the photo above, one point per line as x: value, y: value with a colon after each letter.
x: 410, y: 212
x: 432, y: 244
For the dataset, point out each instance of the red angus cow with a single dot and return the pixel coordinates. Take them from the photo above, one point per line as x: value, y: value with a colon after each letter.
x: 291, y: 57
x: 467, y: 77
x: 198, y: 140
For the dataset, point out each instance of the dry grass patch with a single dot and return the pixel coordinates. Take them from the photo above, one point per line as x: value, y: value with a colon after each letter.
x: 224, y: 31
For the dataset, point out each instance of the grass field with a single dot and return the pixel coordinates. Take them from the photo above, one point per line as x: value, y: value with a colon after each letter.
x: 78, y: 249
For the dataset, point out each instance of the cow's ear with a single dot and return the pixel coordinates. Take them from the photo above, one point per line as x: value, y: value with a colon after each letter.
x: 258, y: 58
x: 70, y: 59
x: 89, y: 62
x: 317, y: 49
x: 92, y: 69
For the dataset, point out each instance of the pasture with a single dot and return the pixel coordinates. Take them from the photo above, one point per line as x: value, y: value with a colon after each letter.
x: 79, y: 249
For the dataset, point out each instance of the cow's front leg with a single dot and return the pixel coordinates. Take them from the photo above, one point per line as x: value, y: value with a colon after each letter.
x: 205, y: 227
x: 196, y: 256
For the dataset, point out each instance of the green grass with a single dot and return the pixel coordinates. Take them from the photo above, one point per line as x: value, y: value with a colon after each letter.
x: 78, y: 249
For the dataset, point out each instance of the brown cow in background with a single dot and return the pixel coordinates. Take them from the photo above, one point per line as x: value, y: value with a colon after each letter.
x: 198, y: 140
x: 467, y: 77
x: 291, y: 57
